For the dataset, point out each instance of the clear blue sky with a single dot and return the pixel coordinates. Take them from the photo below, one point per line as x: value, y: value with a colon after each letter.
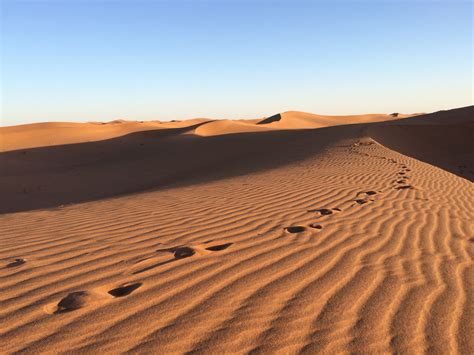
x: 102, y: 60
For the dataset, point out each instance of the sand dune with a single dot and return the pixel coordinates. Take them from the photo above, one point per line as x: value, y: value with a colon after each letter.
x: 304, y: 120
x: 306, y: 234
x: 59, y: 133
x: 445, y: 139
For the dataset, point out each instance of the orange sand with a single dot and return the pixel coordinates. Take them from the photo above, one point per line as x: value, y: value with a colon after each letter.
x: 306, y: 234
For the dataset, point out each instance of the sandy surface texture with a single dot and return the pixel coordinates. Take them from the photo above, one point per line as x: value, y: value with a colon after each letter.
x: 296, y: 233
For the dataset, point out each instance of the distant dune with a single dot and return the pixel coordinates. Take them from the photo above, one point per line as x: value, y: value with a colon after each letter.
x: 293, y: 233
x: 59, y: 133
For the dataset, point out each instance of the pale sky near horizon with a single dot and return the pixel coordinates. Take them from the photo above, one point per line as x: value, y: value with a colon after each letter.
x: 85, y: 60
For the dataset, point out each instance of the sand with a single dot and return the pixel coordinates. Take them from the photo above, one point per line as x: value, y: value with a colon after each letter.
x: 296, y: 233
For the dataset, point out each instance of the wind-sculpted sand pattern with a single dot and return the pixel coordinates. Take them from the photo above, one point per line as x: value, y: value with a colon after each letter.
x: 330, y: 254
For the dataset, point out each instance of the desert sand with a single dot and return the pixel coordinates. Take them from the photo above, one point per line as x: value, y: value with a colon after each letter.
x: 294, y: 233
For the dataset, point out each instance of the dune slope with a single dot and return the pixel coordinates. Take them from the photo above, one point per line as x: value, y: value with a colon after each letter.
x: 444, y: 139
x: 300, y: 241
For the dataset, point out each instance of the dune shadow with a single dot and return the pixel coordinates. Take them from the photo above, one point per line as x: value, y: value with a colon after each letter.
x: 443, y: 139
x: 270, y: 119
x: 49, y: 177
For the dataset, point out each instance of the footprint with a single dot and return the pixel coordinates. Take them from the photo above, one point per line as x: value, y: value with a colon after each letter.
x: 77, y: 300
x: 17, y: 262
x: 81, y: 299
x: 361, y: 201
x: 404, y: 187
x: 183, y: 252
x: 337, y: 209
x: 125, y: 290
x: 180, y: 252
x: 219, y: 247
x: 316, y: 226
x: 295, y: 229
x: 322, y: 211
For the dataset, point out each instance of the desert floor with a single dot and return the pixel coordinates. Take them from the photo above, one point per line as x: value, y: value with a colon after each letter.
x: 297, y: 233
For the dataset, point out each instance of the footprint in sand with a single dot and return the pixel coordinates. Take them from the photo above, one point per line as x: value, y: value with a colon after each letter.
x: 325, y: 211
x: 322, y: 211
x: 81, y: 299
x: 367, y: 193
x: 366, y: 199
x: 125, y: 289
x: 295, y: 229
x: 404, y: 187
x: 219, y: 247
x: 16, y: 262
x: 179, y: 252
x: 77, y: 300
x: 316, y: 226
x: 185, y: 251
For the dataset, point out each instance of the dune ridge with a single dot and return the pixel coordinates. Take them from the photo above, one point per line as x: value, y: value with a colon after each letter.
x: 316, y: 239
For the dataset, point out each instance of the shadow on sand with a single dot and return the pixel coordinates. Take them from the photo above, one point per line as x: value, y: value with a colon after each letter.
x: 53, y: 176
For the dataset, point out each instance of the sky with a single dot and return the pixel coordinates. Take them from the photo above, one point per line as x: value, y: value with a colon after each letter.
x: 85, y: 60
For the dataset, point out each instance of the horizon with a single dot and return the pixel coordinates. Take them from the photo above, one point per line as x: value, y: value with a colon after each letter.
x: 85, y: 61
x: 125, y: 120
